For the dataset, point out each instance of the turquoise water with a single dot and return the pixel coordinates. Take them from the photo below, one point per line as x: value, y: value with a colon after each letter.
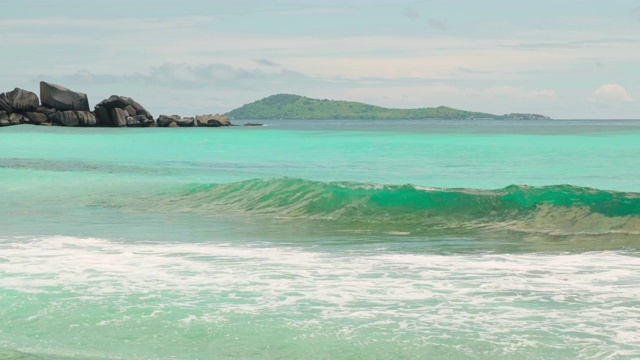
x: 322, y: 240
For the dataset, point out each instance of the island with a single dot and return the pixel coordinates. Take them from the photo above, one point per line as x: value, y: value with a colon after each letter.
x: 289, y: 106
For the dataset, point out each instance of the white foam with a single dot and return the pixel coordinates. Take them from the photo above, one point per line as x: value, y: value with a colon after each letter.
x: 593, y: 294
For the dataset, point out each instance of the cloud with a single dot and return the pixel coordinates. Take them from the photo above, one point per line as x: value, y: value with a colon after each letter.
x: 437, y: 24
x: 607, y: 43
x: 519, y: 93
x: 464, y: 70
x: 293, y: 9
x: 124, y: 24
x: 411, y: 14
x: 265, y: 62
x: 189, y: 76
x: 541, y: 94
x: 611, y: 92
x: 187, y: 88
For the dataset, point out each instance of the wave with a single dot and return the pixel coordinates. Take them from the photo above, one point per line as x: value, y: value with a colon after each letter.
x: 557, y: 209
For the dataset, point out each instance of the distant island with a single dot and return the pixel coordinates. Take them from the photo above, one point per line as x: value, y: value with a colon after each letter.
x: 288, y: 106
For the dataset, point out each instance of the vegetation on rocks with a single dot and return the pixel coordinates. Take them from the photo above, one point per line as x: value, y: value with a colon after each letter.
x: 287, y: 106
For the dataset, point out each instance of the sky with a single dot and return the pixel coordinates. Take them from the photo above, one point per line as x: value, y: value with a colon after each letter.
x: 562, y: 58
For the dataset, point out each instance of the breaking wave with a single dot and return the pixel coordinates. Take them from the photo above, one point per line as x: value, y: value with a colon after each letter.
x: 557, y: 209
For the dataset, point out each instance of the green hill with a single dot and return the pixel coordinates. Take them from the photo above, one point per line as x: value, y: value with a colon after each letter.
x: 286, y: 106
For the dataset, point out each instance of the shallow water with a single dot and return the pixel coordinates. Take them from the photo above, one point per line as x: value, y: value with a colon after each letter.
x: 325, y: 240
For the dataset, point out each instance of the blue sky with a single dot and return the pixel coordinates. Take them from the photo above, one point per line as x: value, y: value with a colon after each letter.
x: 565, y: 59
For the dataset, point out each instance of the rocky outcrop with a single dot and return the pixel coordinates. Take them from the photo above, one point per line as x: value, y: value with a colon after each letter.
x: 212, y: 120
x: 62, y: 99
x: 20, y: 107
x: 19, y: 101
x: 519, y: 116
x: 64, y: 107
x: 122, y: 111
x: 61, y: 106
x: 175, y: 121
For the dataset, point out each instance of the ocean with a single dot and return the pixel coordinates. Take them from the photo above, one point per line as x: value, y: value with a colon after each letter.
x: 433, y: 239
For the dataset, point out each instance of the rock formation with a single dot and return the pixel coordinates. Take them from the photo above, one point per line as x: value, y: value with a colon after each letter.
x: 175, y: 121
x: 64, y: 107
x: 66, y: 118
x: 19, y: 101
x: 14, y: 104
x: 86, y: 118
x: 62, y: 99
x: 212, y: 120
x: 122, y: 111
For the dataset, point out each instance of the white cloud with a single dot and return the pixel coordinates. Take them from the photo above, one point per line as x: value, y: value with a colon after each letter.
x: 612, y: 92
x: 189, y: 76
x: 124, y: 24
x: 542, y: 94
x: 519, y: 93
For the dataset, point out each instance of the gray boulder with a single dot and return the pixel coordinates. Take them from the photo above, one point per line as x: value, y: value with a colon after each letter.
x: 36, y: 118
x: 114, y: 101
x: 119, y: 117
x: 145, y: 113
x: 140, y: 110
x: 86, y: 118
x: 131, y: 110
x: 131, y: 122
x: 167, y: 121
x: 51, y: 113
x: 19, y: 101
x: 139, y: 121
x: 212, y: 120
x: 4, y: 106
x: 61, y: 98
x: 103, y: 117
x: 45, y: 110
x: 16, y: 119
x: 4, y: 118
x: 66, y: 118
